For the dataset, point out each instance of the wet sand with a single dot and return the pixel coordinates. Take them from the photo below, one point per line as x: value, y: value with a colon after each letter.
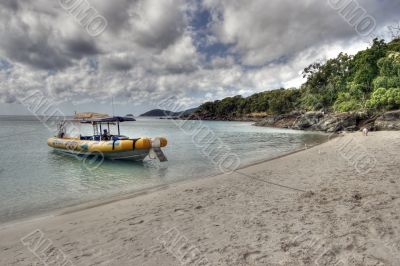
x: 335, y: 204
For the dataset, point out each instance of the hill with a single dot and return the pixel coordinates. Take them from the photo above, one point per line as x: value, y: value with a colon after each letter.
x: 187, y: 112
x: 164, y: 113
x: 158, y: 113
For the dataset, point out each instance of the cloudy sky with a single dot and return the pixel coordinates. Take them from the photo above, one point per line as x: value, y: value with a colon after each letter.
x: 196, y: 50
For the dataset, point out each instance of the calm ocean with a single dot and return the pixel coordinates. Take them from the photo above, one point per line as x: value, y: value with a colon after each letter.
x: 35, y: 180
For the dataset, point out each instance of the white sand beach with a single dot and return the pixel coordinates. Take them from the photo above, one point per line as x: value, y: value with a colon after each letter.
x: 335, y: 204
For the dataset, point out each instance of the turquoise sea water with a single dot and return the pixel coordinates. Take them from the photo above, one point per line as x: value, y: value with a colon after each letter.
x: 35, y: 180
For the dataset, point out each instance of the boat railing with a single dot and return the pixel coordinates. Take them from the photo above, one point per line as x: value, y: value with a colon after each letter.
x: 100, y: 138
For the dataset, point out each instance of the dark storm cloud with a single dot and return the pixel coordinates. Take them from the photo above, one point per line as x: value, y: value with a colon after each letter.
x: 158, y: 24
x: 117, y: 14
x: 117, y: 64
x: 10, y: 4
x: 120, y: 66
x: 81, y: 47
x: 34, y: 52
x: 30, y: 35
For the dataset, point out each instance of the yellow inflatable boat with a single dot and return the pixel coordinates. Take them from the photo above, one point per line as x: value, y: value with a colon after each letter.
x: 106, y: 145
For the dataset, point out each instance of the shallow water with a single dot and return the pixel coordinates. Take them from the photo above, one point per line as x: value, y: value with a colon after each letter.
x: 35, y: 180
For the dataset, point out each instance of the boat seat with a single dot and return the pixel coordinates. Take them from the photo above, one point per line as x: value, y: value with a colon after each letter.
x: 86, y: 138
x: 119, y: 138
x: 97, y: 138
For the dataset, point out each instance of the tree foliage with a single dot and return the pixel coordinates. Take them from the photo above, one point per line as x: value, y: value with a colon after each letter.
x: 385, y: 99
x: 368, y: 80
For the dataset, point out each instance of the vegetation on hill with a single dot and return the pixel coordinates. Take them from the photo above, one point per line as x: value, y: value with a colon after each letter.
x: 158, y: 112
x: 163, y: 113
x: 367, y: 81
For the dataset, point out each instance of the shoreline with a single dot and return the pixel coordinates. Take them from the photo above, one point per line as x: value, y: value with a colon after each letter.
x: 131, y: 195
x: 322, y: 201
x: 317, y: 121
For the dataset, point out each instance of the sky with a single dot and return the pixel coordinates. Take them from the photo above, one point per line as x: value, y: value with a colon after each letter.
x: 143, y: 51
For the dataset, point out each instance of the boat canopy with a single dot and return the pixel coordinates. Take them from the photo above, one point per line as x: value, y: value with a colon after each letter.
x: 89, y: 115
x: 114, y: 119
x: 96, y: 122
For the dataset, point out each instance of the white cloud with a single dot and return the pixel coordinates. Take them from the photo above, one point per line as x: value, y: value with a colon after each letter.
x: 264, y: 31
x: 150, y: 49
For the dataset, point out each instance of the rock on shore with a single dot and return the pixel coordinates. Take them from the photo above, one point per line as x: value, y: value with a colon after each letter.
x: 315, y: 121
x: 388, y: 121
x: 334, y: 122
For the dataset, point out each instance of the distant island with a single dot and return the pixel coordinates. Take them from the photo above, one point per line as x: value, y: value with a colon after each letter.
x: 158, y: 113
x: 166, y: 113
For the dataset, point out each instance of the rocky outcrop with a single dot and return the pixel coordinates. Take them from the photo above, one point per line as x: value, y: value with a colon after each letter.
x: 280, y: 121
x: 208, y: 117
x: 331, y: 122
x: 388, y: 121
x: 319, y: 121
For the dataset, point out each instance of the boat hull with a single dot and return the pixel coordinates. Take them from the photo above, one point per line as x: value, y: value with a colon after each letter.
x: 127, y: 149
x: 134, y: 155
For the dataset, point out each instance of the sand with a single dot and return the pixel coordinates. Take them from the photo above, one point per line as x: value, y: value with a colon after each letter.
x: 334, y: 204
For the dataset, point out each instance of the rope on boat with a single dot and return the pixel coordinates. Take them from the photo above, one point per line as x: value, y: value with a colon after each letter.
x: 134, y: 143
x: 268, y: 182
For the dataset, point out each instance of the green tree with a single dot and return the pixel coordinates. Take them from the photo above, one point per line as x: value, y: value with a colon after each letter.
x: 365, y: 65
x: 385, y: 99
